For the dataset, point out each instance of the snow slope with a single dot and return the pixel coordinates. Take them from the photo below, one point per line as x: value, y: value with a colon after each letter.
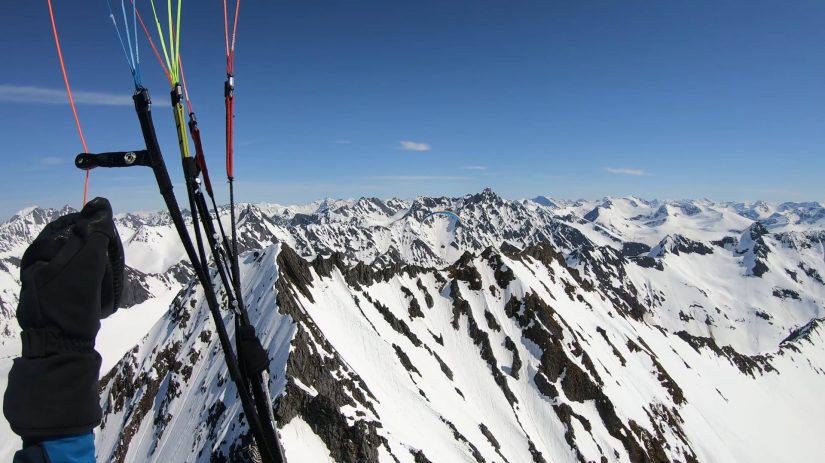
x: 534, y: 330
x: 496, y: 358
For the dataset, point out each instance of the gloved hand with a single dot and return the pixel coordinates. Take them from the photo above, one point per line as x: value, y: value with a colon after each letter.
x: 71, y: 277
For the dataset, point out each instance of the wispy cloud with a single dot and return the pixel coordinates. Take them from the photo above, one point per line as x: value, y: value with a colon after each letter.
x: 342, y: 142
x: 414, y: 146
x: 414, y: 178
x: 474, y: 167
x: 627, y: 171
x: 51, y: 161
x: 40, y: 95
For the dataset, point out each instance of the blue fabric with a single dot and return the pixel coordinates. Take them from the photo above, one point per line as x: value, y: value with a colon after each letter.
x: 74, y: 449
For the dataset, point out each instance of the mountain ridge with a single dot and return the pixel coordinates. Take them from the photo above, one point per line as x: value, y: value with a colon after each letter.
x: 618, y: 332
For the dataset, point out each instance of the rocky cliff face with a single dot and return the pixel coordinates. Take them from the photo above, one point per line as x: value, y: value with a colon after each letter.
x: 499, y: 357
x: 523, y: 333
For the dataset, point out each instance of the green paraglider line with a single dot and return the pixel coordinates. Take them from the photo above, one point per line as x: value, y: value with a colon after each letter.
x: 246, y: 369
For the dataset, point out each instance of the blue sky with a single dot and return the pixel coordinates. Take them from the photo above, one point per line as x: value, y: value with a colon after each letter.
x: 665, y: 99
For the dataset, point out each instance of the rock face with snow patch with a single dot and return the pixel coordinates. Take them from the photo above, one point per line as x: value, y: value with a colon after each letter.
x: 649, y: 331
x: 504, y: 358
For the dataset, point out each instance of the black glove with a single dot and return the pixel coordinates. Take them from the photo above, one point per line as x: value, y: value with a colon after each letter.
x: 71, y: 276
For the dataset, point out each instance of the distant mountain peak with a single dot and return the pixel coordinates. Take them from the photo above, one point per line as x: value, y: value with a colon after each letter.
x: 527, y: 333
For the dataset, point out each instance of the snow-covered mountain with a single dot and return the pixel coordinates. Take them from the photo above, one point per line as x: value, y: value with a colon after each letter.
x: 541, y: 330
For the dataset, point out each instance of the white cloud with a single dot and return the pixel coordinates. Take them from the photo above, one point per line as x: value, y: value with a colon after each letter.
x: 51, y: 161
x: 414, y: 146
x: 403, y: 178
x: 474, y: 167
x: 627, y: 171
x: 342, y: 142
x: 40, y: 95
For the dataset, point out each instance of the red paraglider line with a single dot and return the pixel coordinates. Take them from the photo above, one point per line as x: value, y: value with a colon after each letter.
x: 152, y: 43
x: 71, y: 98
